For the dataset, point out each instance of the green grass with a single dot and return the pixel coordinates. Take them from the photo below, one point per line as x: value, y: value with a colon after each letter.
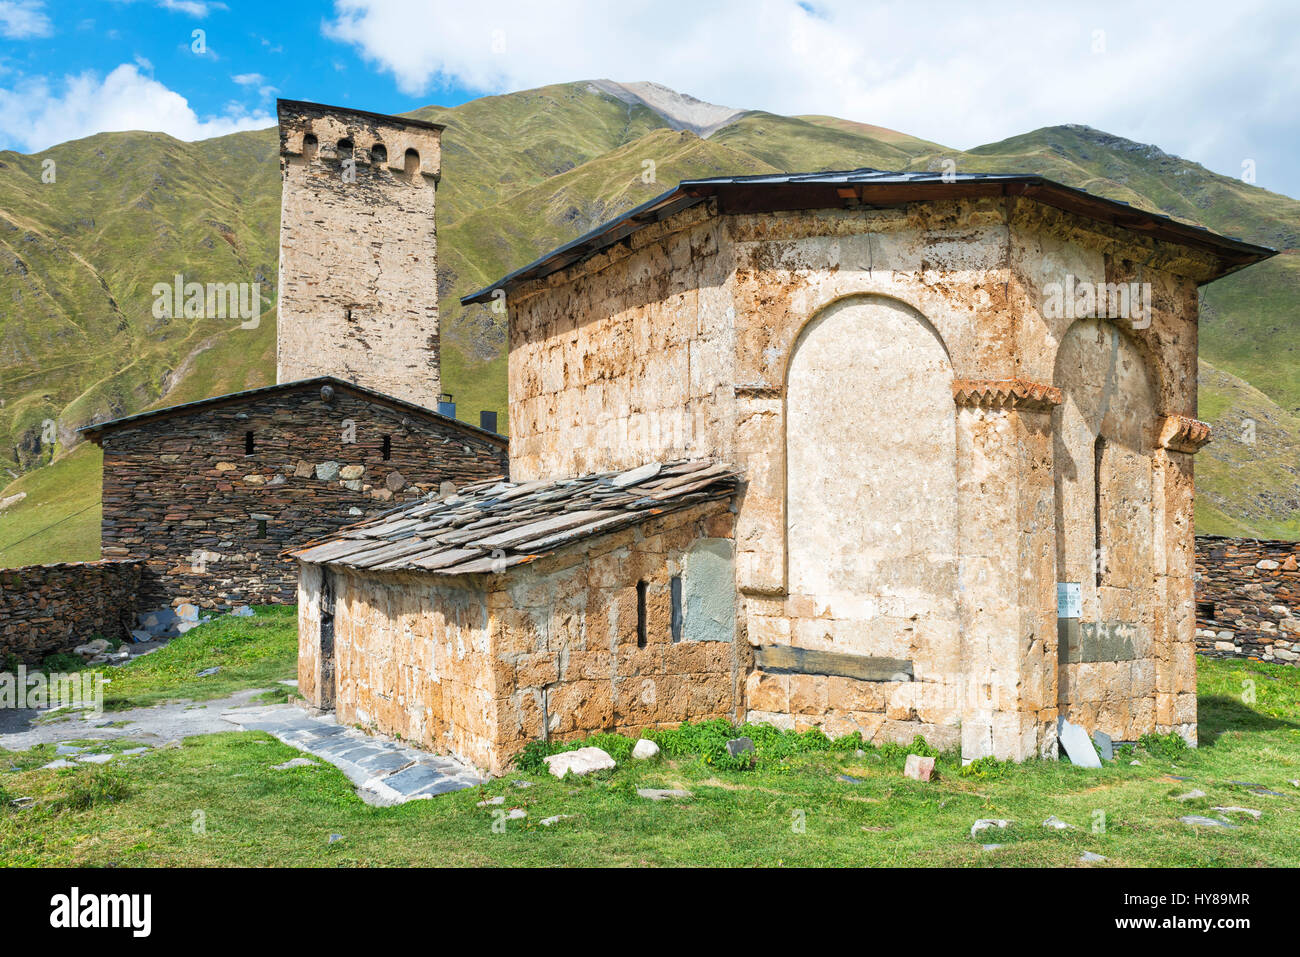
x: 252, y: 652
x: 217, y: 802
x: 59, y: 519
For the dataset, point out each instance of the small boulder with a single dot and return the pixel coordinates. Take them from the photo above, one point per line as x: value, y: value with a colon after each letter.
x: 327, y: 471
x: 96, y: 647
x: 644, y: 750
x: 579, y: 762
x: 1191, y: 795
x: 1056, y: 824
x: 1090, y: 858
x: 556, y: 819
x: 491, y: 802
x: 985, y: 823
x: 350, y: 472
x: 186, y: 611
x: 395, y: 481
x: 242, y: 611
x: 918, y: 768
x: 1233, y: 809
x: 207, y: 672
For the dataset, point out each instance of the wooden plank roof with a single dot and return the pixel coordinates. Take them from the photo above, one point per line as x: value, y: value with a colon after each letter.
x: 491, y: 526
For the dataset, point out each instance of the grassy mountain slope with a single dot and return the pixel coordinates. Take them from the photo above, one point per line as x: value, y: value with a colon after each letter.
x: 522, y: 173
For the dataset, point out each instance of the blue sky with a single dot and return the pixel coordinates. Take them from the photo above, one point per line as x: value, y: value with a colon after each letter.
x: 1211, y: 82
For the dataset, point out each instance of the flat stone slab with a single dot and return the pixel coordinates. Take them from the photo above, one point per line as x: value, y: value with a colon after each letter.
x: 662, y: 794
x: 296, y: 763
x: 1196, y: 820
x: 1077, y: 744
x: 383, y: 772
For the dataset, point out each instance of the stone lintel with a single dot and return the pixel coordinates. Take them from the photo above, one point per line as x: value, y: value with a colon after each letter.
x: 1020, y: 394
x: 1181, y: 433
x: 783, y: 659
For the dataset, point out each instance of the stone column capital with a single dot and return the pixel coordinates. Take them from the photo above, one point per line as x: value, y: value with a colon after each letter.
x: 1181, y: 433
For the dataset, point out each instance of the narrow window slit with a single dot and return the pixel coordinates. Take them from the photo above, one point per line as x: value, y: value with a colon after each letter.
x: 640, y: 614
x: 675, y: 589
x: 248, y: 443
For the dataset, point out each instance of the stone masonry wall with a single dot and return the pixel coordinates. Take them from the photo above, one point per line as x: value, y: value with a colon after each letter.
x: 211, y: 521
x: 565, y: 636
x: 685, y: 337
x: 481, y: 665
x: 1248, y: 598
x: 358, y: 294
x: 46, y: 609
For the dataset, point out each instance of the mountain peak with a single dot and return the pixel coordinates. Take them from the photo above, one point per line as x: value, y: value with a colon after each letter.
x: 679, y: 110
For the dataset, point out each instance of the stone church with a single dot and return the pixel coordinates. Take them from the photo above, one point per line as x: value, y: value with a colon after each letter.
x: 897, y: 453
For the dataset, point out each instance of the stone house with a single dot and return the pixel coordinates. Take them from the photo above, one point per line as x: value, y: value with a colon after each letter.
x: 510, y: 612
x: 209, y: 493
x: 961, y: 416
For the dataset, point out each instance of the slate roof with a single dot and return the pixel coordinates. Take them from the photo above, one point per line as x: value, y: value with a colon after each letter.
x: 96, y: 430
x: 872, y: 187
x: 490, y: 526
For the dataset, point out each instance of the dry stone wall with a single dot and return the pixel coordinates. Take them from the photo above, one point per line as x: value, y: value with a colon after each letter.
x: 210, y: 519
x: 45, y: 609
x: 1248, y: 598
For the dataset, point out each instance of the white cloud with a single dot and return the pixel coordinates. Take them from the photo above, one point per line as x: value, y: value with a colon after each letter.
x: 251, y: 80
x: 195, y: 8
x: 1204, y: 80
x: 20, y: 19
x: 39, y: 113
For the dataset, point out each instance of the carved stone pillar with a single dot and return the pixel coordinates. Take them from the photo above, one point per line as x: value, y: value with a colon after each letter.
x: 1007, y: 578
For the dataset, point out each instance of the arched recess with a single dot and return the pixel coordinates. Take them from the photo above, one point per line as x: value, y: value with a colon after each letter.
x: 871, y: 480
x: 1108, y: 507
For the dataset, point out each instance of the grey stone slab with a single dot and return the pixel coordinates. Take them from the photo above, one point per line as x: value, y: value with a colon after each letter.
x: 1078, y: 746
x: 441, y: 786
x: 413, y: 779
x: 1104, y: 745
x: 389, y: 761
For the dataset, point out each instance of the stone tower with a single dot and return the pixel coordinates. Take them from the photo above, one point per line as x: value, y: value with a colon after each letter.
x: 358, y: 295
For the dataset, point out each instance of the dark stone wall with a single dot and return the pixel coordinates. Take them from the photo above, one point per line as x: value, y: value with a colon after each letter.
x: 210, y: 520
x: 1248, y: 598
x: 46, y: 609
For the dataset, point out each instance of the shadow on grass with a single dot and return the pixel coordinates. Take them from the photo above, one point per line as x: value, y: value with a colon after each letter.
x: 1217, y: 714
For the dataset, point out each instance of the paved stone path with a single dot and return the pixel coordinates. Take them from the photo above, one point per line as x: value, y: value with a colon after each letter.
x: 384, y: 772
